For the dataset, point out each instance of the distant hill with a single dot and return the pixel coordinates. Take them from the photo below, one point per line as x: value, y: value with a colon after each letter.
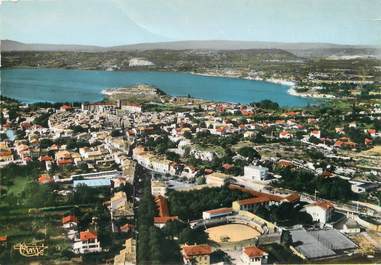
x: 10, y: 45
x: 299, y: 49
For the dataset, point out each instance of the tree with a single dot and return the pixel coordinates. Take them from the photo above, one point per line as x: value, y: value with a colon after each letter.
x: 42, y: 120
x: 173, y: 156
x: 116, y: 133
x: 259, y: 138
x: 286, y: 238
x: 173, y: 228
x: 266, y: 104
x: 187, y: 135
x: 249, y: 152
x: 45, y: 143
x: 193, y: 236
x: 37, y: 196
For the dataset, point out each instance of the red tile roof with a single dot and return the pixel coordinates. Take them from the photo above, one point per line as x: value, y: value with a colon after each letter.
x: 3, y: 238
x: 69, y: 219
x: 197, y: 250
x: 254, y: 200
x: 45, y: 158
x: 284, y: 133
x: 66, y: 107
x: 163, y: 219
x: 162, y: 205
x: 323, y: 204
x: 253, y: 252
x: 43, y: 179
x: 227, y: 166
x: 294, y: 197
x: 220, y: 210
x: 5, y: 153
x: 263, y: 197
x: 64, y: 161
x: 87, y: 235
x: 126, y: 227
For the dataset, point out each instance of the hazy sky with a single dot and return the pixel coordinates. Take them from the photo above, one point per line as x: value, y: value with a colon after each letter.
x: 114, y: 22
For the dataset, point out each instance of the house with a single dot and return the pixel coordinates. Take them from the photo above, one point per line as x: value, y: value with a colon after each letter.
x: 285, y: 135
x: 250, y: 204
x: 63, y: 158
x: 196, y: 254
x: 91, y: 153
x: 216, y: 213
x: 128, y: 254
x: 45, y: 158
x: 87, y: 243
x: 69, y: 222
x: 158, y: 188
x: 216, y: 179
x: 6, y: 155
x: 126, y: 228
x: 321, y: 211
x: 204, y: 155
x: 45, y: 179
x: 249, y: 134
x: 359, y: 187
x: 120, y: 207
x: 256, y: 173
x: 372, y: 133
x: 66, y: 108
x: 132, y: 108
x: 253, y: 256
x: 164, y: 217
x: 3, y: 240
x: 160, y: 221
x: 315, y: 133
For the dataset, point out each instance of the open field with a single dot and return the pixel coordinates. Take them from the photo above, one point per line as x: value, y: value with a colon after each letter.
x: 232, y: 232
x: 375, y: 151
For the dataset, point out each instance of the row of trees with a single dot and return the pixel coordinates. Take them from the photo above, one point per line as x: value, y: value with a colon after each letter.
x: 190, y: 205
x: 305, y: 181
x: 286, y: 214
x: 152, y: 245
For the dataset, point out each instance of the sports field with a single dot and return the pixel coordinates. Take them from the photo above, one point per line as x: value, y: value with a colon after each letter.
x: 232, y: 233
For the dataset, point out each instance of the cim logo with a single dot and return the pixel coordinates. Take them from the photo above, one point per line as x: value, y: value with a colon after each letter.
x: 30, y: 250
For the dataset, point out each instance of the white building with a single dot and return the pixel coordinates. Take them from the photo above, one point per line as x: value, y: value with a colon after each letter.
x: 158, y: 188
x: 132, y: 108
x: 253, y: 256
x: 216, y: 213
x: 87, y: 243
x: 256, y: 173
x: 321, y: 211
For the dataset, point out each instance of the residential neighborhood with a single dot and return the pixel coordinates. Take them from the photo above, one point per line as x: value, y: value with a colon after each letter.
x: 290, y: 176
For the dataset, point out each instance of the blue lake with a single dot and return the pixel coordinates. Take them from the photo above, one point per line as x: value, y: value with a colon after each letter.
x: 59, y: 85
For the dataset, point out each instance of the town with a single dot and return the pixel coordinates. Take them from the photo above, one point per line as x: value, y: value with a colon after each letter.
x: 143, y: 177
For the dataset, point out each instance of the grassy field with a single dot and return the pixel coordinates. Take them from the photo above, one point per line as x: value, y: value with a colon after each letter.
x: 19, y: 227
x: 241, y: 144
x: 18, y: 185
x: 375, y: 151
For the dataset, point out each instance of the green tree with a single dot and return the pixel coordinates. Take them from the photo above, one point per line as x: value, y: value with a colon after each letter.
x: 249, y: 153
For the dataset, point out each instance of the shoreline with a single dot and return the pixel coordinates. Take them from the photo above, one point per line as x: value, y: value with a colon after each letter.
x: 290, y: 84
x: 110, y: 91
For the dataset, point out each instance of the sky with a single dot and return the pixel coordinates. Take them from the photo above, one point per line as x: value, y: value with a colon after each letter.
x: 119, y: 22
